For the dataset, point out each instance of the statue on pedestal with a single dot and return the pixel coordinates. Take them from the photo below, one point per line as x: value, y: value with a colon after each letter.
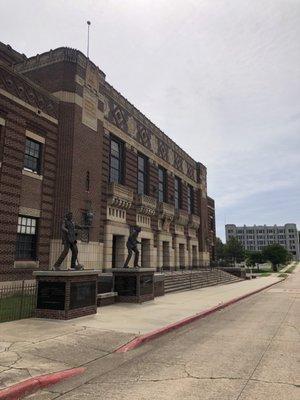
x: 69, y: 240
x: 132, y: 247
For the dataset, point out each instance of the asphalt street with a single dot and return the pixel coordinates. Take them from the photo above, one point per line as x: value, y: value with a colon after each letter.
x: 248, y: 351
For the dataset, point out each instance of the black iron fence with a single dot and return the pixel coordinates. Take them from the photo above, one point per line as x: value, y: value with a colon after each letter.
x: 17, y: 301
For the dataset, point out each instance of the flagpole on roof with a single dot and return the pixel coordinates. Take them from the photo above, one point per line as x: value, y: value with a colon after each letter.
x: 88, y: 39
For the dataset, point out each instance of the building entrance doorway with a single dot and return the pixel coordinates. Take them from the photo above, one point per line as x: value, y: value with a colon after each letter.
x: 145, y: 261
x: 181, y: 256
x: 118, y: 251
x: 194, y: 257
x: 166, y: 255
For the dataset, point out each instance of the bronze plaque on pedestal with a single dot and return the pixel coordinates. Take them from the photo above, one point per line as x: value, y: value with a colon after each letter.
x: 51, y: 295
x: 82, y: 294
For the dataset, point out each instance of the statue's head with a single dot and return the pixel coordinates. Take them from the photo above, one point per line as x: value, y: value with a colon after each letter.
x: 69, y: 215
x: 137, y: 229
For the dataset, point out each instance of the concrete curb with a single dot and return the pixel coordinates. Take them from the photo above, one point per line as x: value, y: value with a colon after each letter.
x: 138, y: 341
x: 31, y: 385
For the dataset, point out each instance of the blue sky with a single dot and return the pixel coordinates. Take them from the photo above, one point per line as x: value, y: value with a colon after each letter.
x: 220, y: 77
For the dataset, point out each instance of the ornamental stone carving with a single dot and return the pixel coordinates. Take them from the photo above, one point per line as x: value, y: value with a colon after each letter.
x: 144, y: 136
x: 104, y: 100
x: 181, y: 217
x: 171, y: 156
x: 162, y: 150
x: 119, y: 118
x: 178, y: 161
x: 154, y: 144
x: 194, y: 221
x: 132, y: 127
x: 166, y: 215
x: 184, y: 167
x: 146, y: 205
x: 119, y: 196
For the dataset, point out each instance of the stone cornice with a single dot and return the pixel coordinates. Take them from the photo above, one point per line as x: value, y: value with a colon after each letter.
x: 60, y: 54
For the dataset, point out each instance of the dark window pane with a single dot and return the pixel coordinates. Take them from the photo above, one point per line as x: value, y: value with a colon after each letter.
x: 190, y: 199
x: 177, y: 193
x: 141, y: 187
x: 32, y: 155
x: 26, y: 238
x: 115, y: 161
x: 162, y: 185
x: 141, y: 163
x: 141, y: 176
x: 114, y: 175
x: 115, y: 147
x: 160, y: 196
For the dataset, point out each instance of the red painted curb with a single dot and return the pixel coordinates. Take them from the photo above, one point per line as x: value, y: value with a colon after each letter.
x: 175, y: 325
x: 31, y: 385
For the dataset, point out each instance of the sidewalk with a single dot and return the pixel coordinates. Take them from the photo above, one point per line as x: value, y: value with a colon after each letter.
x: 31, y: 347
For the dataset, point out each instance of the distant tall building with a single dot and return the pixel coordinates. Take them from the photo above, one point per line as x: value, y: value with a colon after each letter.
x: 256, y: 237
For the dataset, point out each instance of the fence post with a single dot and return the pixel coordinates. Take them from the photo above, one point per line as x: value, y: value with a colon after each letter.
x: 22, y: 295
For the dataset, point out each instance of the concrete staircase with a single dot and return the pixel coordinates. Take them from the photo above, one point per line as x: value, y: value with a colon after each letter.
x: 189, y: 280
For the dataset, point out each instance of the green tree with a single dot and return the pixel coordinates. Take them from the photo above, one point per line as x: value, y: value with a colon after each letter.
x: 219, y: 249
x: 234, y: 250
x: 276, y: 254
x: 253, y: 258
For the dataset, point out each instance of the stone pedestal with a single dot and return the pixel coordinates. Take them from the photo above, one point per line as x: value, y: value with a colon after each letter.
x: 134, y: 285
x: 66, y: 294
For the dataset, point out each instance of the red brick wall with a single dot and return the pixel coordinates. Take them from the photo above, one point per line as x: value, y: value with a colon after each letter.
x: 105, y: 179
x: 87, y: 156
x: 55, y: 77
x: 17, y: 190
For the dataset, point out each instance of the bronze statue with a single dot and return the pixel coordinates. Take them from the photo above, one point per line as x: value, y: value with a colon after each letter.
x: 132, y: 247
x: 69, y: 240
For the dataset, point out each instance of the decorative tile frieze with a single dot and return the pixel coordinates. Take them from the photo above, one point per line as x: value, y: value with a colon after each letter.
x: 154, y: 144
x: 171, y: 156
x: 20, y: 88
x: 162, y: 150
x: 118, y: 117
x: 191, y: 172
x: 178, y: 161
x: 143, y: 136
x: 132, y: 127
x: 105, y: 103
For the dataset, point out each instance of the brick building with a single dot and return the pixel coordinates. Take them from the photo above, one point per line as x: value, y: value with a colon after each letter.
x: 70, y: 141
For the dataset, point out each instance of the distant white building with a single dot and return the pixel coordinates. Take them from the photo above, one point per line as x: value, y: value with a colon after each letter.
x: 256, y: 237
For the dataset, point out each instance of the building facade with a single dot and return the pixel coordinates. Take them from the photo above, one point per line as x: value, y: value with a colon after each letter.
x: 255, y: 238
x: 89, y: 150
